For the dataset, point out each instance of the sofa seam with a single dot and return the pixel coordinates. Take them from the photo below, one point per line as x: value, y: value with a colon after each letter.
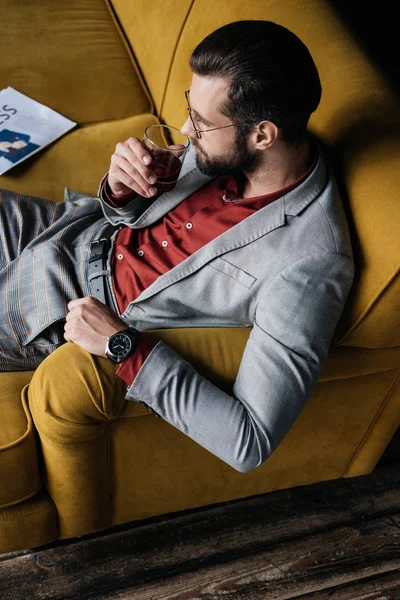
x: 20, y: 500
x: 29, y: 425
x: 366, y: 374
x: 86, y: 124
x: 369, y: 429
x: 18, y: 517
x: 134, y: 62
x: 173, y: 58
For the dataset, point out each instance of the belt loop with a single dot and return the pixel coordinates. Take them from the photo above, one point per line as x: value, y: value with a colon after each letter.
x: 98, y: 283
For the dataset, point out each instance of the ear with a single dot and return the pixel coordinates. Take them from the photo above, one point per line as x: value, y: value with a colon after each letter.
x: 264, y: 135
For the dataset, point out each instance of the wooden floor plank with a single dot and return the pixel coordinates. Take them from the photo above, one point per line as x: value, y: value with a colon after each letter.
x: 395, y: 518
x: 194, y: 543
x: 378, y: 587
x: 297, y: 570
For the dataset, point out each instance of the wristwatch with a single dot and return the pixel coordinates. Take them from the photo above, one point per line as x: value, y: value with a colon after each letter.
x: 122, y: 344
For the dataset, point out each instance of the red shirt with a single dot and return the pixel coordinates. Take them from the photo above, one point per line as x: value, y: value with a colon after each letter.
x: 140, y: 256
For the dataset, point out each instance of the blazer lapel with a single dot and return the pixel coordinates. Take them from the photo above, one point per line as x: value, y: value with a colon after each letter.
x: 260, y: 223
x: 239, y: 235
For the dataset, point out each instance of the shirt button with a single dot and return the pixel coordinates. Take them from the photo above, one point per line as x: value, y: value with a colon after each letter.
x: 164, y: 243
x: 189, y: 225
x: 140, y: 252
x: 120, y: 256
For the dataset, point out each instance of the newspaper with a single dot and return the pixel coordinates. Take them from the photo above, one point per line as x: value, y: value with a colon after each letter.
x: 26, y: 126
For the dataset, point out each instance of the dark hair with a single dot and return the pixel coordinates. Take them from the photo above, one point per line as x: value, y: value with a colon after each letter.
x: 271, y: 75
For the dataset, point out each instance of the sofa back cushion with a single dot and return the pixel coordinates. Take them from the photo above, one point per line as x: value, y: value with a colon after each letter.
x: 358, y: 120
x: 71, y: 57
x: 153, y: 31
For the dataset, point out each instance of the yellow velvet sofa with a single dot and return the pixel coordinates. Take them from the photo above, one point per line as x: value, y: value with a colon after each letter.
x: 115, y: 67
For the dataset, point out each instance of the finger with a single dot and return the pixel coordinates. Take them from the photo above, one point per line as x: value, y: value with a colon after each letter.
x: 135, y: 171
x: 78, y: 301
x: 132, y: 179
x: 136, y: 153
x: 140, y: 150
x: 67, y: 333
x: 133, y: 151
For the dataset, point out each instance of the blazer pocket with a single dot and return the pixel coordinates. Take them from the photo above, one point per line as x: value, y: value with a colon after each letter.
x: 222, y: 265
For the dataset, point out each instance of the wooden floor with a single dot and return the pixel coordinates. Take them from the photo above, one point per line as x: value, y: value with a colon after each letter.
x: 336, y: 540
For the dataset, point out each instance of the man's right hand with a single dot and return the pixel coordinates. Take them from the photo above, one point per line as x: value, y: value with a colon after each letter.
x: 129, y: 171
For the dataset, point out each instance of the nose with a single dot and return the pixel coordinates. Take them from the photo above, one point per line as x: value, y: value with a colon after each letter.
x: 187, y: 128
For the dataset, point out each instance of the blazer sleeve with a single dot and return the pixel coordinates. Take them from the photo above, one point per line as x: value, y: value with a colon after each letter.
x: 128, y: 213
x: 294, y: 324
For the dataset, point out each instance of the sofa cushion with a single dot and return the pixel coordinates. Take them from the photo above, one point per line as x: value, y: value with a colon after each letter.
x: 203, y: 347
x: 71, y: 57
x: 369, y: 172
x: 19, y: 466
x: 77, y: 161
x: 359, y: 121
x: 29, y: 524
x: 153, y: 30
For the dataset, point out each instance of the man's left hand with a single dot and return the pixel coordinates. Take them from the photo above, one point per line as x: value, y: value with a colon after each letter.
x: 90, y: 323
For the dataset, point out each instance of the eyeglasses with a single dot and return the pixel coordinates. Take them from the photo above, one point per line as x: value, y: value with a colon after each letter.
x: 198, y: 132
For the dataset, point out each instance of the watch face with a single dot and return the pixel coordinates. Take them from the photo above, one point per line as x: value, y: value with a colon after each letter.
x: 120, y: 345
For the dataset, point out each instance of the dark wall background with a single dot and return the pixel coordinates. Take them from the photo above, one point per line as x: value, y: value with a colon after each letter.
x: 376, y: 26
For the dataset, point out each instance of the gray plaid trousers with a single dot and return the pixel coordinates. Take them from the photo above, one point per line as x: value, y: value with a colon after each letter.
x: 44, y: 252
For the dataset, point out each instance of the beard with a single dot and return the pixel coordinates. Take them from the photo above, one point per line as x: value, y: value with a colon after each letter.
x: 238, y: 160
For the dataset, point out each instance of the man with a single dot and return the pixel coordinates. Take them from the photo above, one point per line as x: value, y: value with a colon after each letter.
x: 253, y: 234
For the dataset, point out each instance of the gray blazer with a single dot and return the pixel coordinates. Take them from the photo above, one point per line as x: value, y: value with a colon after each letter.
x: 286, y: 271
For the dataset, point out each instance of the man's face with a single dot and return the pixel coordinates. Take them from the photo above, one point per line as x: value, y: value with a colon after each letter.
x: 237, y: 159
x: 223, y: 150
